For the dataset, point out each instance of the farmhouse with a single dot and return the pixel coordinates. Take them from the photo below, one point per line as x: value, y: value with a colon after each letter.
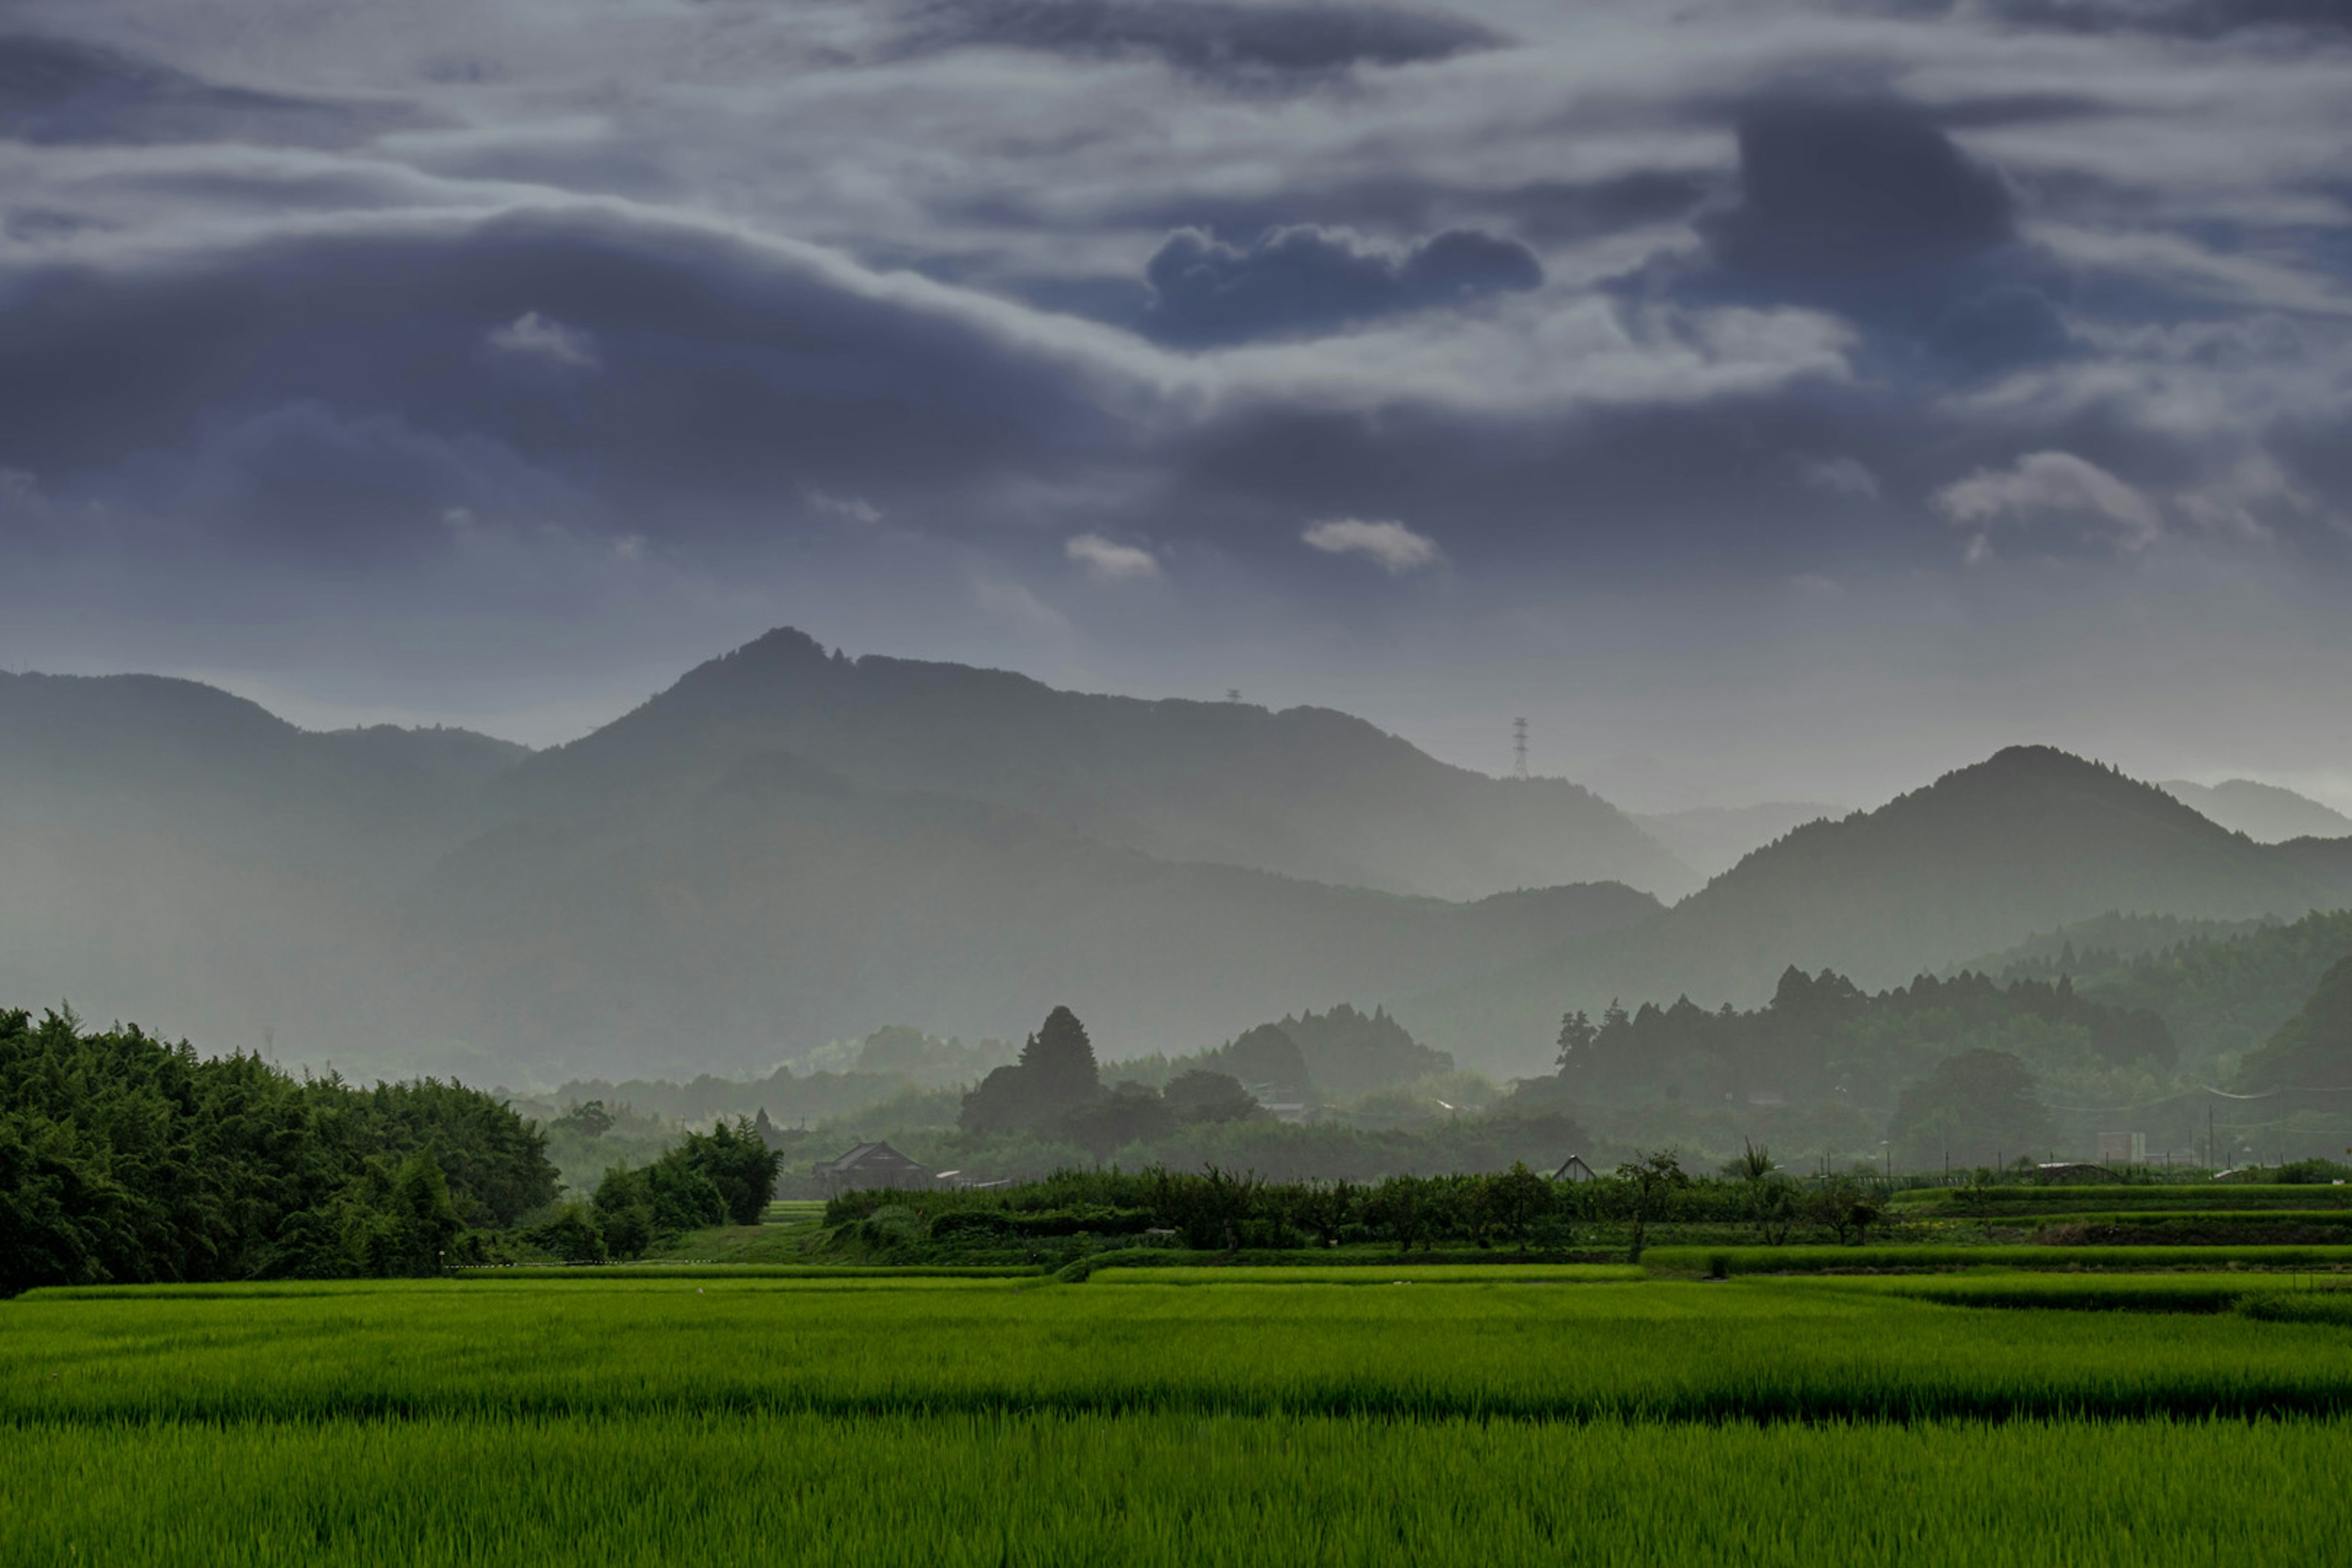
x: 869, y: 1165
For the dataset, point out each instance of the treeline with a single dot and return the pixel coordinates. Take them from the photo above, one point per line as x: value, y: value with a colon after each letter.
x: 724, y: 1176
x: 1223, y: 1210
x: 126, y: 1158
x: 1822, y: 1036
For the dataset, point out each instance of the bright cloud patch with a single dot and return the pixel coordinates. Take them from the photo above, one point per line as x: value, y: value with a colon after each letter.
x: 1108, y: 561
x: 1396, y: 548
x: 2048, y: 485
x: 532, y: 336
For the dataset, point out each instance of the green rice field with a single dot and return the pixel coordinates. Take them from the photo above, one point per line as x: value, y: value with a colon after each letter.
x: 1519, y: 1416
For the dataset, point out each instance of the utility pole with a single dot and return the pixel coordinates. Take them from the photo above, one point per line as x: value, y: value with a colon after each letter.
x: 1519, y: 747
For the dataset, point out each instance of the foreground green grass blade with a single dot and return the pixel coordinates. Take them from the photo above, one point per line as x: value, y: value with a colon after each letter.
x: 1184, y: 1491
x: 1759, y: 1349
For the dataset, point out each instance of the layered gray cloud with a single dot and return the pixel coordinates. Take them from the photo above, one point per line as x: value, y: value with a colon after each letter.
x: 60, y: 90
x: 1303, y: 279
x: 1058, y: 333
x: 1226, y: 39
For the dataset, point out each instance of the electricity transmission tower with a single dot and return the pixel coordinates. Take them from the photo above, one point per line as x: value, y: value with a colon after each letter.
x: 1519, y: 747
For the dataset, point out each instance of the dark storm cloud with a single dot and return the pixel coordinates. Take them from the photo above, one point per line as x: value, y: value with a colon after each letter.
x: 371, y: 383
x: 1835, y: 190
x: 1301, y: 280
x: 1216, y: 39
x: 1863, y: 204
x: 58, y: 90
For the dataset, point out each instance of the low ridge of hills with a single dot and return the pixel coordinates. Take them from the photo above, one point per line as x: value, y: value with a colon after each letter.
x: 778, y: 902
x: 2030, y: 839
x: 1305, y: 792
x: 175, y: 855
x: 788, y: 847
x: 2263, y: 813
x: 1712, y: 839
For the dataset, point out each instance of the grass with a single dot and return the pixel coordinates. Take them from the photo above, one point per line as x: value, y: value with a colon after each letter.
x: 1162, y: 1490
x: 2203, y: 1195
x: 1402, y: 1274
x: 1815, y: 1259
x: 539, y: 1349
x: 1235, y: 1415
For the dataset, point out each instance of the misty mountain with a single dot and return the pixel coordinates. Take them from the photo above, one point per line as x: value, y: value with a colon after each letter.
x: 2310, y: 1056
x: 1305, y: 792
x: 2263, y: 813
x: 1711, y: 840
x: 173, y: 854
x: 718, y: 918
x: 2029, y: 839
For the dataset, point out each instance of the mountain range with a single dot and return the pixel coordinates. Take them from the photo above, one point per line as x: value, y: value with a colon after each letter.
x: 2264, y: 813
x: 789, y: 846
x: 2029, y: 839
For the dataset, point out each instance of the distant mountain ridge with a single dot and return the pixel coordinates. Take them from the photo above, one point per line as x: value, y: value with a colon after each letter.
x: 789, y: 846
x: 176, y: 855
x: 2263, y: 813
x: 1304, y: 792
x: 2028, y: 840
x: 777, y: 901
x: 1711, y: 840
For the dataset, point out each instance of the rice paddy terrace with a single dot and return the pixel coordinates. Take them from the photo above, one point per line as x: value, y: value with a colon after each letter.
x: 1893, y: 1403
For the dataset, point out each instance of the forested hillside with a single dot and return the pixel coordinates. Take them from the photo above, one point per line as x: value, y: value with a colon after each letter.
x: 2263, y: 813
x: 715, y: 924
x: 1305, y: 792
x: 2027, y: 840
x: 1823, y: 1038
x: 2310, y: 1056
x: 171, y: 852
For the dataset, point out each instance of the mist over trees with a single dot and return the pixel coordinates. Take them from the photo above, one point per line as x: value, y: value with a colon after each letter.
x: 1822, y: 1036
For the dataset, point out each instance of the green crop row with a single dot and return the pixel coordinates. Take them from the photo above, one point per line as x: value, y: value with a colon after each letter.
x: 1161, y: 1491
x: 2334, y: 1219
x: 1409, y: 1274
x: 1723, y: 1260
x: 2179, y: 1196
x: 545, y: 1349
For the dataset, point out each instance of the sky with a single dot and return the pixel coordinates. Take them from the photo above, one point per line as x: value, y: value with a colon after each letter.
x: 1767, y: 400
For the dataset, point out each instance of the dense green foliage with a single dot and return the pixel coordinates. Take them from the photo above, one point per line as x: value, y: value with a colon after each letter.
x: 1822, y: 1036
x: 2311, y: 1052
x: 1168, y: 1491
x: 724, y: 1176
x: 1976, y: 1108
x: 2226, y: 996
x: 126, y: 1158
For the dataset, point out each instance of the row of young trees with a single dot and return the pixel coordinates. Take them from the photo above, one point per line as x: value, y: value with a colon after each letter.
x: 123, y: 1157
x: 1219, y: 1209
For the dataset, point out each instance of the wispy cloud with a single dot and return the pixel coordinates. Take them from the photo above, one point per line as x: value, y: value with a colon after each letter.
x: 1107, y: 560
x: 1395, y: 547
x: 2044, y: 486
x: 532, y: 336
